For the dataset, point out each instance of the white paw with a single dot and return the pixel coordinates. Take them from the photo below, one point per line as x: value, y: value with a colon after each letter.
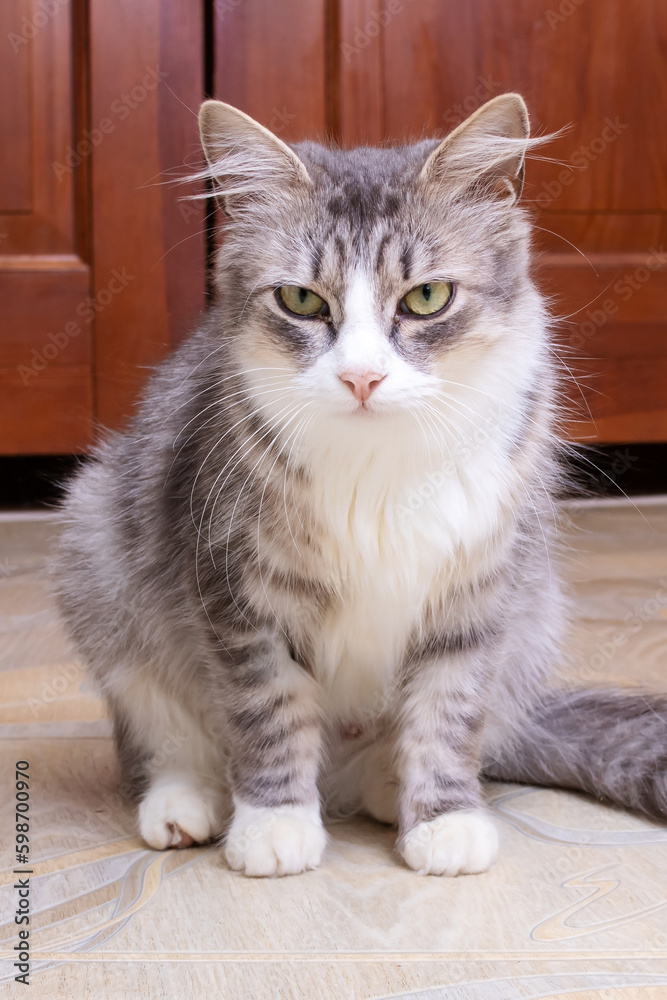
x: 284, y: 840
x: 178, y: 813
x: 464, y: 842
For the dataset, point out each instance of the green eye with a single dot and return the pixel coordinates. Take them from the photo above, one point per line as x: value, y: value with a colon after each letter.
x: 424, y: 300
x: 302, y: 301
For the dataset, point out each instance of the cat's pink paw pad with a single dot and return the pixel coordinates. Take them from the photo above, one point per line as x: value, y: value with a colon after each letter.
x: 178, y: 837
x: 177, y: 815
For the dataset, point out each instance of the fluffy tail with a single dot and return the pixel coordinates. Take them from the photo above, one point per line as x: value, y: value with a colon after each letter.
x: 609, y: 743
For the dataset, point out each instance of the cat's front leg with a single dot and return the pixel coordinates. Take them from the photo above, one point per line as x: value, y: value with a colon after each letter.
x: 443, y: 828
x: 274, y: 734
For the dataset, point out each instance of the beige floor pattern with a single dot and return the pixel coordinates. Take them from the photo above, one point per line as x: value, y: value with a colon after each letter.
x: 576, y: 906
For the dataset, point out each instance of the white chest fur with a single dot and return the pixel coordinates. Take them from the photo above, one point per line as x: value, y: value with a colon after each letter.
x: 399, y: 534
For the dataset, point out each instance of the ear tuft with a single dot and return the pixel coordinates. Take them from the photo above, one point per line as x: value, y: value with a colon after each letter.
x: 244, y: 158
x: 487, y: 150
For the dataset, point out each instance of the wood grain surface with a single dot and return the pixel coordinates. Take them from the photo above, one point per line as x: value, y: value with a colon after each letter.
x: 352, y: 71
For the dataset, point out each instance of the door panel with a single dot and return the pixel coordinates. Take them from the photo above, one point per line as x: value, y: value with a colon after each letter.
x: 597, y: 193
x: 598, y: 70
x: 271, y: 62
x: 102, y: 265
x: 46, y: 399
x: 361, y: 84
x: 146, y: 239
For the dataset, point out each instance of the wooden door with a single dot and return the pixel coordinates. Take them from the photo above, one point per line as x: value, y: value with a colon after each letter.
x: 598, y: 68
x: 409, y: 68
x: 46, y: 391
x: 102, y: 266
x: 147, y: 77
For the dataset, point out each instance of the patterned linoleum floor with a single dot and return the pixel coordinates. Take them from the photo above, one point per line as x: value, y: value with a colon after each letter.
x: 576, y: 906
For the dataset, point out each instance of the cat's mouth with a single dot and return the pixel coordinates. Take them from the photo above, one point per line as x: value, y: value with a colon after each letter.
x: 378, y: 409
x: 366, y: 411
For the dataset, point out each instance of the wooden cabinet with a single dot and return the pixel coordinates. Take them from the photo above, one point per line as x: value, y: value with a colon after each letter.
x: 129, y: 77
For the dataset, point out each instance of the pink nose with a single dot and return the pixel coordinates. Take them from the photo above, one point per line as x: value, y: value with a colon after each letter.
x: 361, y: 386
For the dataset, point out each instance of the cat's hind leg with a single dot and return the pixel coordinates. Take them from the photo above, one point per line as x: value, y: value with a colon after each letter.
x: 171, y: 766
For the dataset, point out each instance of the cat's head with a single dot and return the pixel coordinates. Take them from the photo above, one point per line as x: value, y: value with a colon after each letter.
x: 366, y: 284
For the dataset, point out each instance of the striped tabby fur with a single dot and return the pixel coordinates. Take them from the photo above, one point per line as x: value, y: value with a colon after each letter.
x: 292, y: 597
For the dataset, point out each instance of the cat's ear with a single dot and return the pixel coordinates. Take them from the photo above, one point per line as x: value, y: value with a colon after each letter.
x: 487, y: 150
x: 245, y: 159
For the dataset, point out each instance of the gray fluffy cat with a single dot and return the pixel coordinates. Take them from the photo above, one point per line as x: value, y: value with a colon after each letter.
x: 318, y: 566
